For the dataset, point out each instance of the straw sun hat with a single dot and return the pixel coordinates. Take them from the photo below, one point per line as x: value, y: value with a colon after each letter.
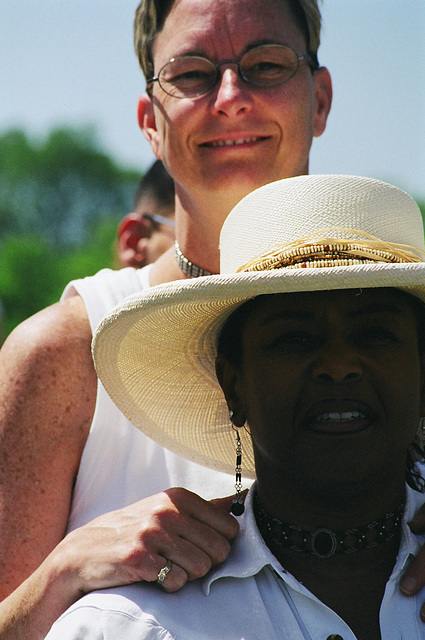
x: 155, y: 352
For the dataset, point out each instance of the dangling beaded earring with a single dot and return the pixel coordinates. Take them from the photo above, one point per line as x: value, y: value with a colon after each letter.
x: 237, y: 507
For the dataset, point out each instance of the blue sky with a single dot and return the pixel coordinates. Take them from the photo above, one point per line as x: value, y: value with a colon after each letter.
x: 72, y: 62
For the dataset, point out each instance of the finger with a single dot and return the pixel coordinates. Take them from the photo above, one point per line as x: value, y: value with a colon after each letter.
x: 175, y: 577
x: 189, y: 531
x: 417, y: 524
x: 414, y: 577
x: 194, y: 546
x: 188, y: 562
x: 226, y: 503
x: 215, y: 517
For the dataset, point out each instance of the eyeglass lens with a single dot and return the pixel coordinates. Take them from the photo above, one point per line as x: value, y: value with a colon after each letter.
x: 265, y: 66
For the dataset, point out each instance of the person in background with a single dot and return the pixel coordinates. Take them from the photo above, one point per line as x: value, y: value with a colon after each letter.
x: 146, y: 233
x: 316, y: 333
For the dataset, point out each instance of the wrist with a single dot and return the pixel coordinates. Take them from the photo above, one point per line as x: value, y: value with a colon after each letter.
x: 63, y: 572
x: 30, y: 610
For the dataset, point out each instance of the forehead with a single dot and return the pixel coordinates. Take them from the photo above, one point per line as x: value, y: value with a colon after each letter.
x: 349, y: 305
x: 220, y: 28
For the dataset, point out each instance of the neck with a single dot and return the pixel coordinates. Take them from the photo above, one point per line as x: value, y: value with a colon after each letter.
x: 198, y: 225
x: 202, y: 208
x: 335, y: 502
x: 350, y: 581
x: 165, y: 269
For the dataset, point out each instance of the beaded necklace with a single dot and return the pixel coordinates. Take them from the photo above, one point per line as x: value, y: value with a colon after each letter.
x: 323, y: 542
x: 189, y: 268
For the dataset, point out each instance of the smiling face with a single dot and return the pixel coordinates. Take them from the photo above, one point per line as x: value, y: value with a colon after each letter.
x: 237, y: 137
x: 330, y: 384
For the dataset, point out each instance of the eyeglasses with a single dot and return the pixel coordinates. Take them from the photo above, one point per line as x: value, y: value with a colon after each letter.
x: 156, y: 219
x: 265, y: 66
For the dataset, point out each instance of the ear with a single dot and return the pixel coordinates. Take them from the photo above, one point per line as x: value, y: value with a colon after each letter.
x: 323, y: 99
x: 229, y: 380
x: 132, y: 229
x: 147, y: 123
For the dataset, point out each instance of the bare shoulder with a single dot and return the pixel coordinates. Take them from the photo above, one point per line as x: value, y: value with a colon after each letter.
x: 46, y: 364
x: 51, y: 352
x: 58, y: 324
x: 47, y: 399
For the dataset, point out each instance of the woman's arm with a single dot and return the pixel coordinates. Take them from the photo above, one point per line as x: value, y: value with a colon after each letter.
x: 121, y: 547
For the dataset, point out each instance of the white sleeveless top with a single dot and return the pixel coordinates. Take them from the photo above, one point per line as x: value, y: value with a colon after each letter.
x: 120, y: 465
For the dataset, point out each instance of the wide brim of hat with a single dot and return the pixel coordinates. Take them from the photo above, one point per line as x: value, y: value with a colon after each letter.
x: 155, y: 353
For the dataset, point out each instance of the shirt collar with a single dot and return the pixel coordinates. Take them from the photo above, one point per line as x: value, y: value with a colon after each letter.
x: 409, y: 543
x: 250, y: 554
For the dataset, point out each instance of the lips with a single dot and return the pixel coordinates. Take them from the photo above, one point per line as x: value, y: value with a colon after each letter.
x: 338, y: 417
x: 237, y: 142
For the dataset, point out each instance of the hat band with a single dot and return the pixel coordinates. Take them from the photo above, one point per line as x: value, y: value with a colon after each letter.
x: 318, y: 250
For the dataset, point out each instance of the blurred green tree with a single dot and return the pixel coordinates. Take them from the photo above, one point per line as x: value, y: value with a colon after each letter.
x: 58, y: 187
x: 61, y: 199
x: 33, y: 272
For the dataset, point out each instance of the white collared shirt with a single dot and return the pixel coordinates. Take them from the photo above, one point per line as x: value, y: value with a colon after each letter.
x: 248, y: 597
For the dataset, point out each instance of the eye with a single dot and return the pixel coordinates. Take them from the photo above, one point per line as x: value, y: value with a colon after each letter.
x: 376, y: 336
x: 269, y: 65
x: 266, y: 65
x: 293, y: 342
x: 192, y: 75
x: 187, y: 71
x: 266, y: 71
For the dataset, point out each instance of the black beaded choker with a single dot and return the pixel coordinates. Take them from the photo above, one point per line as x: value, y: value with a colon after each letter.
x: 323, y: 542
x: 188, y: 268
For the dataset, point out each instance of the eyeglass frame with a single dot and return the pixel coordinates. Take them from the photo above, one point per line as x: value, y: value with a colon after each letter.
x: 157, y: 218
x: 307, y: 57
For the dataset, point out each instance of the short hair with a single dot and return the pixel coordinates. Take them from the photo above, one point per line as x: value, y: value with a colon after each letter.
x: 157, y: 182
x: 150, y: 17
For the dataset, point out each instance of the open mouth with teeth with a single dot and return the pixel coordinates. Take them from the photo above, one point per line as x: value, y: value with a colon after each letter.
x: 339, y: 422
x: 232, y: 143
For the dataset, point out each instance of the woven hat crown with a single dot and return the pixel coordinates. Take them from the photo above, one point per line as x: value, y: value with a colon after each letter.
x: 281, y: 213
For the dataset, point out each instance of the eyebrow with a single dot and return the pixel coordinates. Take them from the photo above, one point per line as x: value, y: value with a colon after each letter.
x: 299, y: 314
x: 377, y: 308
x: 263, y: 41
x: 195, y: 53
x: 287, y: 315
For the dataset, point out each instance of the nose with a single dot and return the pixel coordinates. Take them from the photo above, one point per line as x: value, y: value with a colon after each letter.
x: 232, y: 96
x: 337, y: 363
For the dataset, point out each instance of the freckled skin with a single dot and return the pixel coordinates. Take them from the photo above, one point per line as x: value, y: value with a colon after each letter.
x: 49, y: 436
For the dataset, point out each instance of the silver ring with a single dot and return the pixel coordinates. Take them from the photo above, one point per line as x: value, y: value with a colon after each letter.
x: 164, y: 571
